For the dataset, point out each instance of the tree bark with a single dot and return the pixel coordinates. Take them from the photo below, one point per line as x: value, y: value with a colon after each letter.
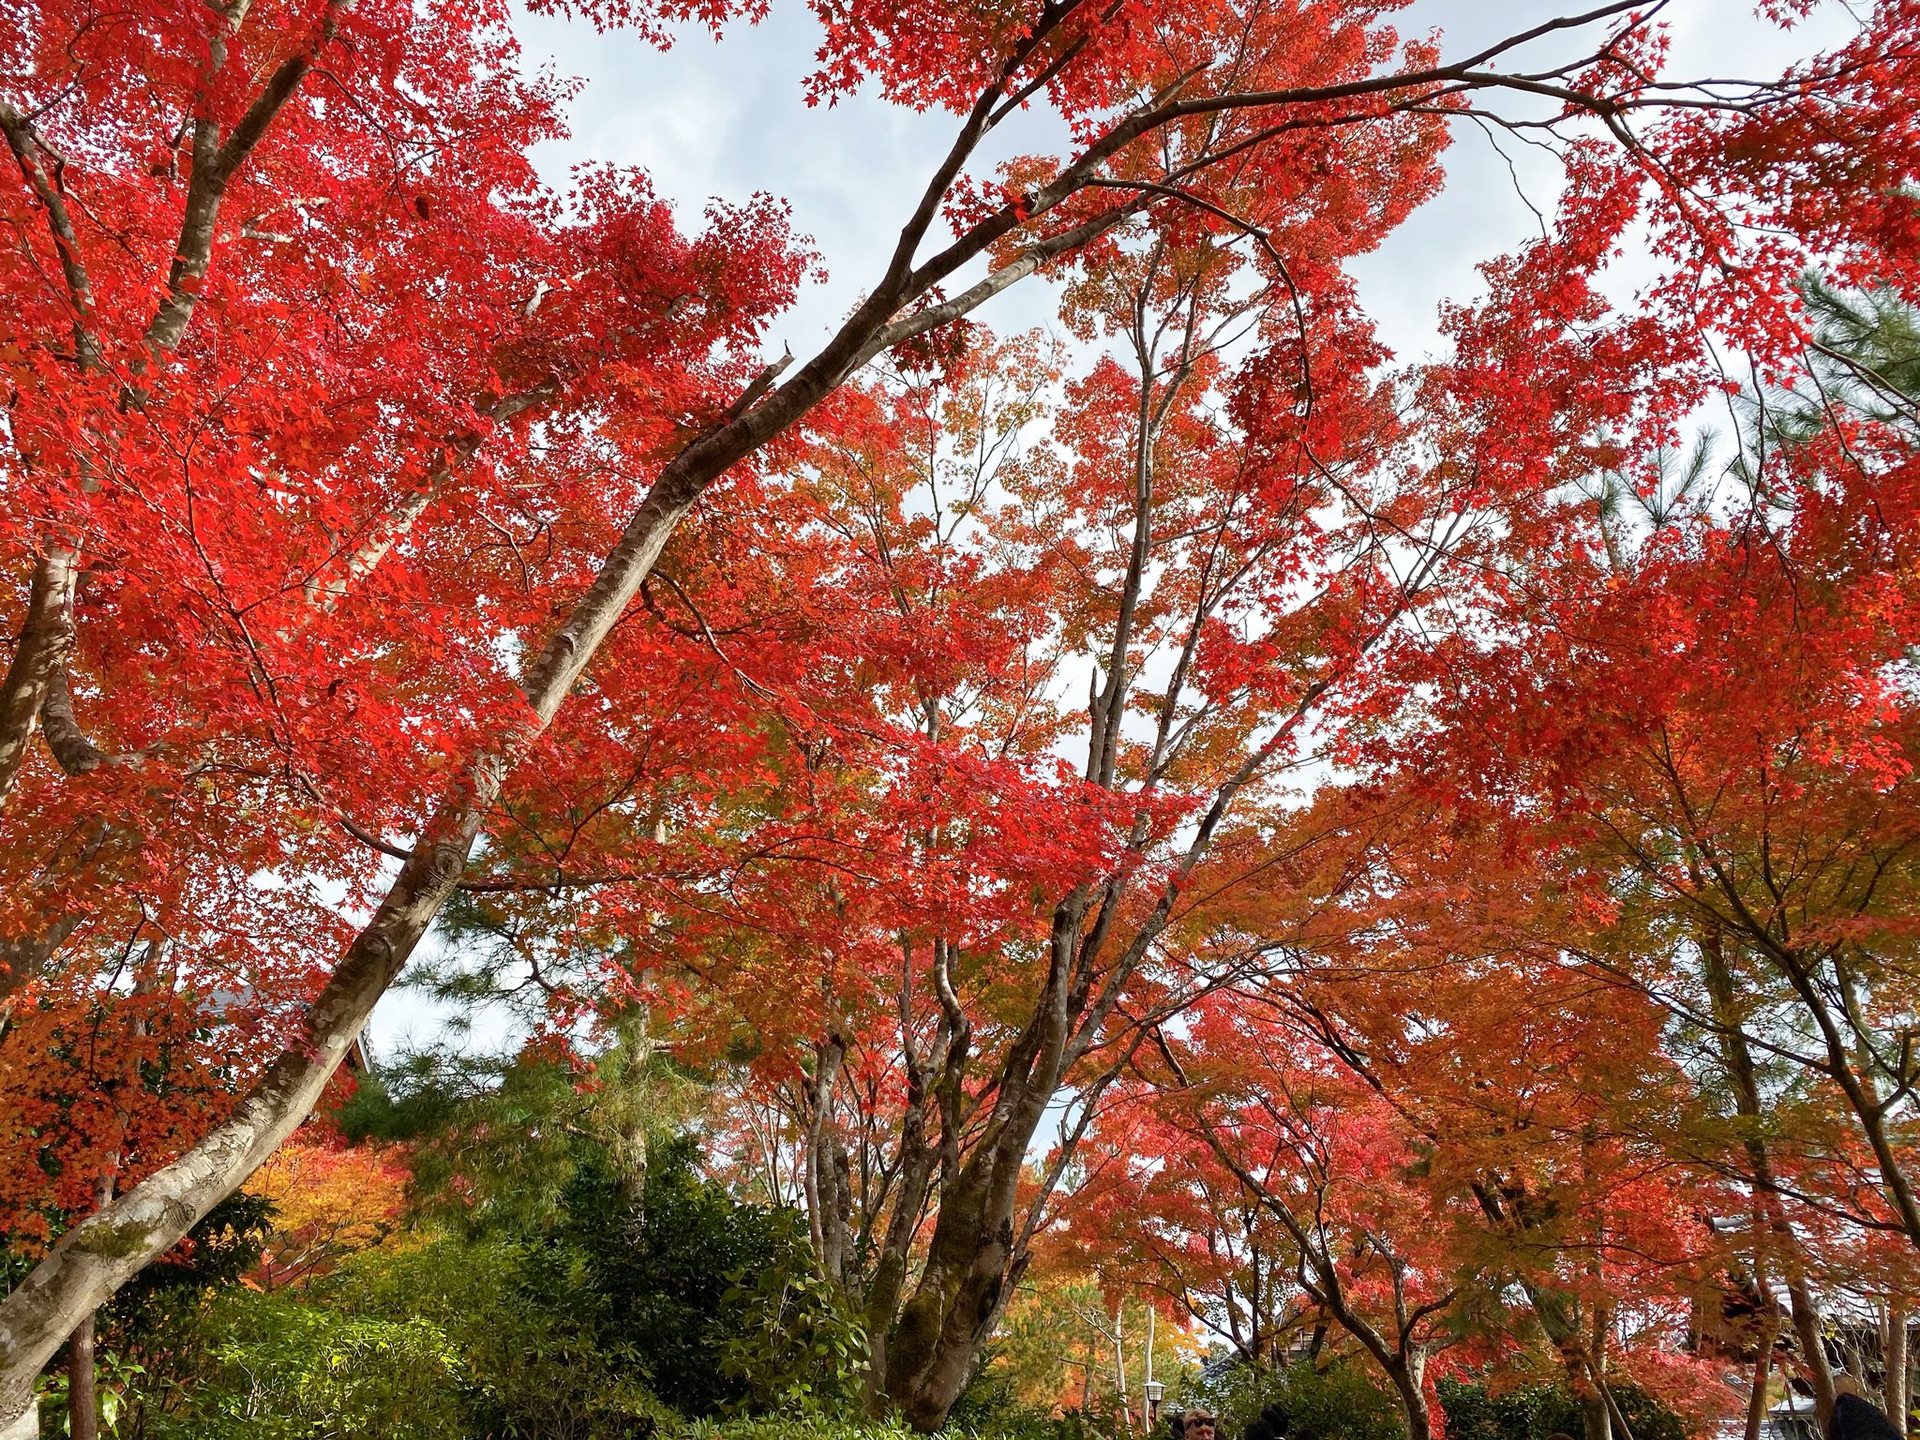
x: 96, y: 1257
x: 1808, y: 1328
x: 44, y: 641
x: 1595, y: 1424
x: 1895, y: 1352
x: 1586, y: 1372
x: 819, y: 1171
x: 83, y: 1407
x: 1762, y: 1373
x: 1595, y: 1418
x: 1737, y: 1055
x: 974, y: 1258
x: 1409, y: 1383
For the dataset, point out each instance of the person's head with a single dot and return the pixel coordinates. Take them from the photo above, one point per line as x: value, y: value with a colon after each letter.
x: 1197, y: 1425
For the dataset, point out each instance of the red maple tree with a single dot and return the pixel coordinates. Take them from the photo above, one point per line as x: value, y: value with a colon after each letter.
x: 339, y: 448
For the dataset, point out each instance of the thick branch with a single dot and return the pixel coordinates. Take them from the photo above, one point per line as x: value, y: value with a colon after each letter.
x: 37, y: 656
x: 76, y: 754
x: 41, y: 170
x: 215, y: 163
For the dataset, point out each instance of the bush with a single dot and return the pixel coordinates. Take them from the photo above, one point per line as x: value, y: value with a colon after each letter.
x: 810, y: 1427
x: 1533, y: 1412
x: 289, y: 1371
x: 525, y: 1322
x: 447, y: 1341
x: 990, y: 1408
x: 1348, y: 1400
x: 662, y: 1277
x: 603, y: 1321
x: 787, y: 1335
x: 545, y: 1300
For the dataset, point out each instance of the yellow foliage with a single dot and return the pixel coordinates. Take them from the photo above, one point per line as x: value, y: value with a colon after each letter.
x: 330, y: 1201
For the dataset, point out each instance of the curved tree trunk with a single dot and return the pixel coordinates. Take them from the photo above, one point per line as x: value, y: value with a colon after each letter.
x: 43, y: 644
x: 96, y: 1257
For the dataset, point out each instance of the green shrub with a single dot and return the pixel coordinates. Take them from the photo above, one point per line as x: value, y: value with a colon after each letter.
x: 526, y: 1323
x: 449, y: 1341
x: 991, y: 1409
x: 661, y: 1275
x: 804, y: 1427
x: 1533, y: 1412
x: 284, y: 1370
x: 1348, y: 1400
x: 544, y: 1300
x: 787, y: 1336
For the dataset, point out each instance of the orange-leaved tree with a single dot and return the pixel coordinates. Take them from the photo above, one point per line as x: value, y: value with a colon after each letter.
x: 342, y: 446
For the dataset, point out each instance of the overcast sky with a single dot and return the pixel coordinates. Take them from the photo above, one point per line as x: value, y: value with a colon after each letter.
x: 726, y: 120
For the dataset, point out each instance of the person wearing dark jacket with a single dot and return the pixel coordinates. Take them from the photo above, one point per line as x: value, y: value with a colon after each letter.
x: 1855, y: 1417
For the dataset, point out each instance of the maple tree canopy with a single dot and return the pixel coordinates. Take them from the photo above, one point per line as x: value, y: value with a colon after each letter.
x: 385, y: 528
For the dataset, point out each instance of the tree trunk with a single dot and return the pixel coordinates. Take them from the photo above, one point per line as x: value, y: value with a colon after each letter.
x: 44, y: 641
x: 1595, y: 1419
x: 1586, y: 1372
x: 1409, y: 1383
x: 100, y: 1254
x: 1895, y: 1351
x: 1808, y: 1328
x: 974, y: 1259
x: 1595, y: 1424
x: 820, y: 1174
x: 1737, y: 1055
x: 971, y: 1269
x: 83, y: 1408
x: 1762, y: 1373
